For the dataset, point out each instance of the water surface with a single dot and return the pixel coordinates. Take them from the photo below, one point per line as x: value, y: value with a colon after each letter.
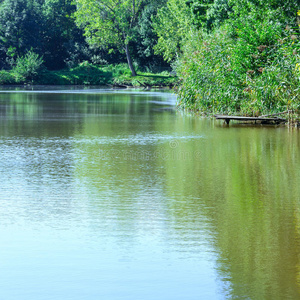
x: 116, y: 195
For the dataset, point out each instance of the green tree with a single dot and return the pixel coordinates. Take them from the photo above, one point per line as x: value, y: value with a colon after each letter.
x: 20, y: 22
x: 146, y: 39
x: 59, y: 32
x: 45, y: 26
x: 109, y: 23
x: 172, y: 25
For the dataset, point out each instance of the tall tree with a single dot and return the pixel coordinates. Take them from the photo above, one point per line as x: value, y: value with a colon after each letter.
x: 59, y: 32
x: 172, y: 24
x: 110, y: 23
x: 44, y: 26
x: 20, y: 22
x: 146, y: 39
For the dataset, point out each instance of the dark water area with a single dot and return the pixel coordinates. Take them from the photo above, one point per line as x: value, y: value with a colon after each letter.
x: 117, y: 195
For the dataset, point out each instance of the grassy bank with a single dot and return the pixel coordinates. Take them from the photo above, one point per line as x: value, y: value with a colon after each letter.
x: 88, y: 74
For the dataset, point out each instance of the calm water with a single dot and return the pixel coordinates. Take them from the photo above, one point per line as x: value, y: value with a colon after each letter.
x: 115, y: 195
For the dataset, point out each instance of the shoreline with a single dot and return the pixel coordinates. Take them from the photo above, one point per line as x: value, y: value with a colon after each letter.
x: 292, y: 118
x: 88, y: 75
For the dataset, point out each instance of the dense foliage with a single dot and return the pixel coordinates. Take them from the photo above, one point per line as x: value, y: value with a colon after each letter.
x: 234, y: 55
x: 49, y: 29
x: 45, y: 27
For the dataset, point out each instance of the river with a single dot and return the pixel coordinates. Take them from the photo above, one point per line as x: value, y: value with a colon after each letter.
x: 117, y: 195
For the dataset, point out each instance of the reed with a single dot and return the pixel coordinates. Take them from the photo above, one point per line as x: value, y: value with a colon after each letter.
x: 248, y: 66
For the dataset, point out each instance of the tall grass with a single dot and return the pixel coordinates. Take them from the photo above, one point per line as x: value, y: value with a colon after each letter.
x: 248, y: 65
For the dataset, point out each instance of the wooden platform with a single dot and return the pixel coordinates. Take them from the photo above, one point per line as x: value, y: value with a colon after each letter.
x: 263, y: 120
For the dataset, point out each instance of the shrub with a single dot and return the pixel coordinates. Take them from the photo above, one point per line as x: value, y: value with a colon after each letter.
x: 27, y: 67
x: 6, y: 77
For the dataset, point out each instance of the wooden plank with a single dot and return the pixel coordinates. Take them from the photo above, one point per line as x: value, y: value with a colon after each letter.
x: 245, y: 118
x: 241, y: 118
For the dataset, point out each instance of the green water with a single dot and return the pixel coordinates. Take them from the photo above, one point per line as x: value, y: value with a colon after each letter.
x: 116, y: 195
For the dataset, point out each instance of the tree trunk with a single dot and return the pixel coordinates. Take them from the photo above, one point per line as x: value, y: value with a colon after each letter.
x: 133, y: 73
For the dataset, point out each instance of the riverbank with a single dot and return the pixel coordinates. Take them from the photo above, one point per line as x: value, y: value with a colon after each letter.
x: 206, y: 103
x: 288, y: 118
x: 247, y: 63
x: 88, y: 74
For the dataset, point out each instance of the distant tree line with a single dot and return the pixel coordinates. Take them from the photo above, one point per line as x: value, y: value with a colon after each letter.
x: 50, y: 29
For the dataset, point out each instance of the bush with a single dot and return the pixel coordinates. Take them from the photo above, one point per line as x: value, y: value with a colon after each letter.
x: 6, y: 77
x: 27, y: 67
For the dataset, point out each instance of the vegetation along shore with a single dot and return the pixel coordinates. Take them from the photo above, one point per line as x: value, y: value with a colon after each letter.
x: 222, y: 56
